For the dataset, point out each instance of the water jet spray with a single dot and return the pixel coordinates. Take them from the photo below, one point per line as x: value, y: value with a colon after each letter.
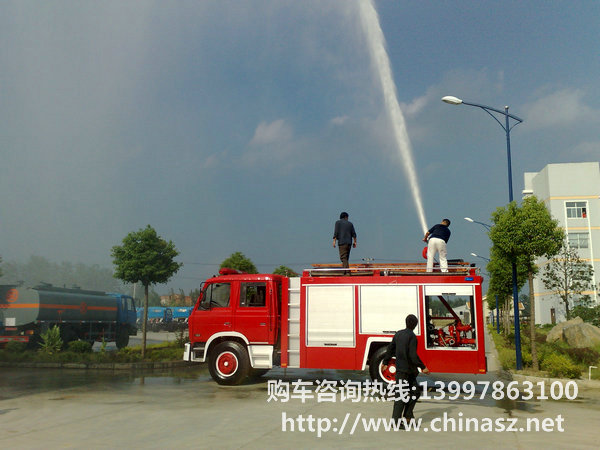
x: 381, y: 63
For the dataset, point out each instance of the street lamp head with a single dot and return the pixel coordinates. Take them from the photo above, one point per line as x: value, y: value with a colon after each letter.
x: 468, y: 219
x: 474, y: 254
x: 452, y: 100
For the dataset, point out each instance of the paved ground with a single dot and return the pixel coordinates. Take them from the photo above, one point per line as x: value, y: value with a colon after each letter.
x: 78, y: 409
x: 151, y: 338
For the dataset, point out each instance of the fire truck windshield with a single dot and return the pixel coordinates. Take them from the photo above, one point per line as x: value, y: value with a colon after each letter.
x: 215, y: 295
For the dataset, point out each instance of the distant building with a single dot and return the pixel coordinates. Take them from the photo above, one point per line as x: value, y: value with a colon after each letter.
x: 175, y: 300
x: 571, y: 192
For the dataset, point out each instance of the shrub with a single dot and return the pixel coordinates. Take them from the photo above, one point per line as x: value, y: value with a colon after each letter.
x: 587, y: 356
x: 508, y: 358
x: 182, y: 337
x: 80, y: 347
x: 11, y: 354
x: 16, y: 347
x: 69, y: 357
x: 163, y: 352
x: 51, y: 341
x: 559, y: 366
x: 525, y: 357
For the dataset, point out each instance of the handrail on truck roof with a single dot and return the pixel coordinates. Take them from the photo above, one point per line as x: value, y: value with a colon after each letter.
x: 391, y: 269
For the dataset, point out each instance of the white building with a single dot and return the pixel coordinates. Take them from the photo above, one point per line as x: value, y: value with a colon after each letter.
x: 571, y: 192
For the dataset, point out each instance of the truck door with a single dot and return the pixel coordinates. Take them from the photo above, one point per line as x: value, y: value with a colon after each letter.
x: 126, y: 314
x: 252, y: 317
x: 214, y: 313
x: 131, y: 313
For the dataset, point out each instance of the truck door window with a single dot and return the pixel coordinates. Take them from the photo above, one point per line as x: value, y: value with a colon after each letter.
x: 253, y: 295
x: 130, y: 304
x: 216, y: 296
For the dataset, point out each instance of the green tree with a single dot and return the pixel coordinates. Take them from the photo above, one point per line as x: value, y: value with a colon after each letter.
x: 153, y: 298
x: 194, y: 294
x: 500, y: 270
x: 285, y: 271
x: 239, y: 262
x: 526, y: 302
x: 172, y: 298
x: 567, y: 275
x: 587, y: 309
x: 181, y: 298
x: 146, y: 258
x: 138, y: 296
x: 521, y: 235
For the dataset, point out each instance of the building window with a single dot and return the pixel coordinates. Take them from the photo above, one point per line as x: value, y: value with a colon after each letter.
x: 576, y: 210
x: 578, y: 240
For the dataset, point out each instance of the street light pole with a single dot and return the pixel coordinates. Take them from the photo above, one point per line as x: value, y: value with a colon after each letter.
x: 485, y: 225
x: 506, y: 127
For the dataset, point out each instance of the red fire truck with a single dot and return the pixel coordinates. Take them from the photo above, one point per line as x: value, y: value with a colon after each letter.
x: 334, y: 318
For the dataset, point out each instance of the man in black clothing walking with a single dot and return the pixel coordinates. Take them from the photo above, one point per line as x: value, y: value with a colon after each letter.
x: 404, y: 348
x: 344, y: 233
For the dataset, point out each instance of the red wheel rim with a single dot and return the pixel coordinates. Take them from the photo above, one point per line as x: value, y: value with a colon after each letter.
x: 227, y: 364
x: 389, y: 374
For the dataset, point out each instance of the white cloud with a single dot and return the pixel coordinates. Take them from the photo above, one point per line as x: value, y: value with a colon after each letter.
x: 340, y: 120
x: 558, y: 108
x: 416, y: 106
x: 275, y: 132
x: 209, y: 162
x: 271, y: 142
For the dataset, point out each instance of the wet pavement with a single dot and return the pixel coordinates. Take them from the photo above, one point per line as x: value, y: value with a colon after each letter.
x: 184, y: 408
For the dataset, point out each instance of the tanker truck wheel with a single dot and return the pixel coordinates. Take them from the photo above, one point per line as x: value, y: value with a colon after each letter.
x: 122, y: 338
x: 375, y: 370
x: 228, y: 363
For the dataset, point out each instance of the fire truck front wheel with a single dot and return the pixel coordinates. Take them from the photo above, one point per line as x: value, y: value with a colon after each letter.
x: 375, y: 367
x: 229, y: 363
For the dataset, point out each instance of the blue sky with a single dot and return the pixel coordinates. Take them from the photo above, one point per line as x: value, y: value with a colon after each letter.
x: 250, y: 125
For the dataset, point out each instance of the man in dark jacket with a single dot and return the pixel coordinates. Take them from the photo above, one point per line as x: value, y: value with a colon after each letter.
x: 404, y: 348
x: 344, y: 233
x: 437, y: 238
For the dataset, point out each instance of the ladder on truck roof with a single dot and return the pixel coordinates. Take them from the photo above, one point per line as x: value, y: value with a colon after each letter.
x: 456, y: 267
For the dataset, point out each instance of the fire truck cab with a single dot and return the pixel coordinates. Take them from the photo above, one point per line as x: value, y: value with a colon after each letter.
x: 334, y: 318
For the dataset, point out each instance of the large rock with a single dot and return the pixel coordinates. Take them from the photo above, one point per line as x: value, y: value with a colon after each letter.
x: 582, y: 335
x: 556, y: 333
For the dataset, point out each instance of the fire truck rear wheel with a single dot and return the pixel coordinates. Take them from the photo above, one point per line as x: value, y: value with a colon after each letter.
x: 387, y: 376
x: 229, y: 363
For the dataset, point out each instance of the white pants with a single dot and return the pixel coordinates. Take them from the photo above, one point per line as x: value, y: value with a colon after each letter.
x: 436, y: 245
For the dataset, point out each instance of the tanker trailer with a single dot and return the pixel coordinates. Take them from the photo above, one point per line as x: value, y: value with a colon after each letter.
x: 91, y: 316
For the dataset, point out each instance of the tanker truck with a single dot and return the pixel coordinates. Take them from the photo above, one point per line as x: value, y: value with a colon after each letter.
x: 91, y: 316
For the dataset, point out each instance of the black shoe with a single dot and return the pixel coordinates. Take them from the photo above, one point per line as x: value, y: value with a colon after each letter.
x: 400, y: 423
